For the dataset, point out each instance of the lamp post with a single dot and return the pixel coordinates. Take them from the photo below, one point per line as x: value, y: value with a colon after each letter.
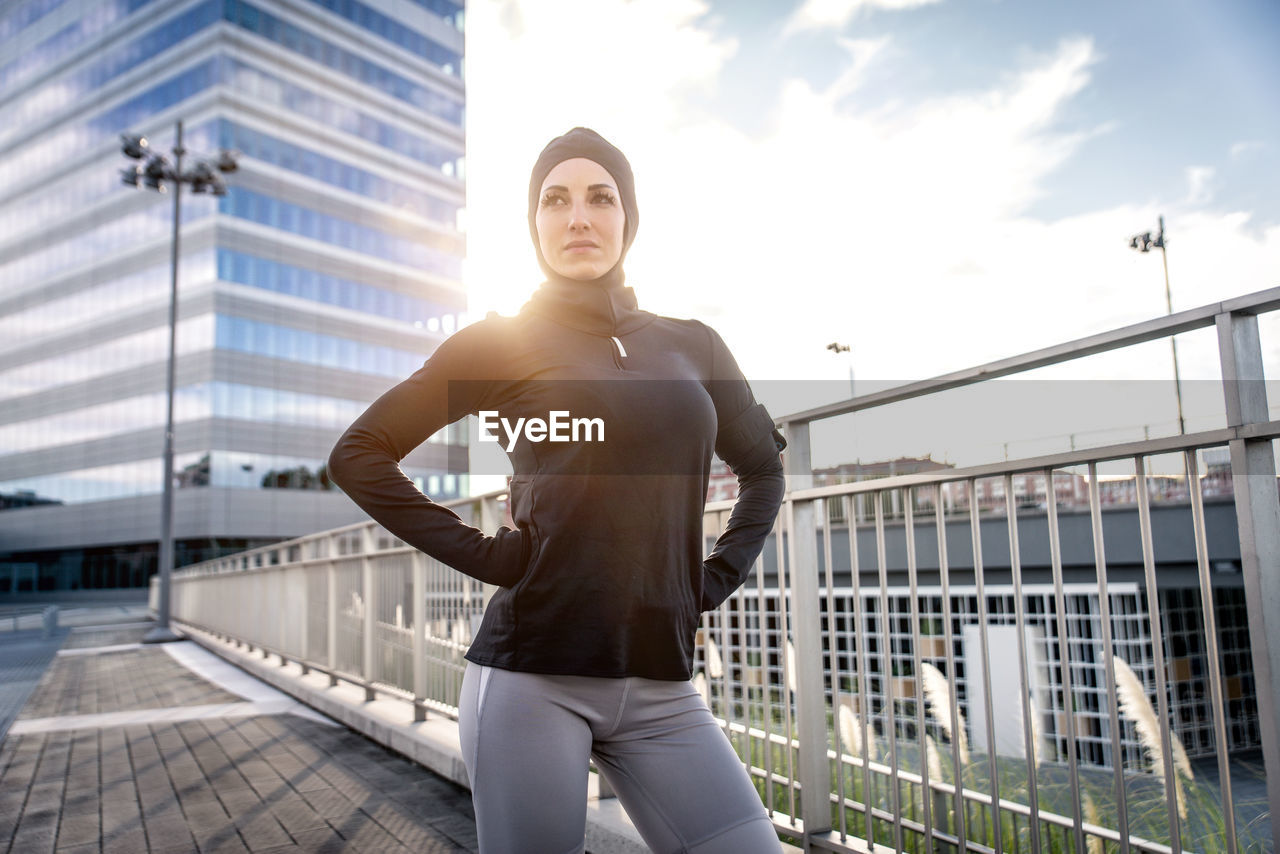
x: 157, y: 173
x: 838, y: 348
x: 1144, y: 242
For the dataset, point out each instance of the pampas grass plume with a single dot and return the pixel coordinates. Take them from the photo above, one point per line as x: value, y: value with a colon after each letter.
x: 850, y: 728
x: 1094, y: 843
x: 937, y: 690
x: 1135, y: 706
x: 934, y: 762
x: 715, y: 664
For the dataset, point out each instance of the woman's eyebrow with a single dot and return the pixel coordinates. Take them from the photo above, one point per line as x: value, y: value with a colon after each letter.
x: 565, y: 189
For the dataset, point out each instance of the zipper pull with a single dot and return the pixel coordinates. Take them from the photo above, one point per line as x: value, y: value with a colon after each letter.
x: 622, y: 351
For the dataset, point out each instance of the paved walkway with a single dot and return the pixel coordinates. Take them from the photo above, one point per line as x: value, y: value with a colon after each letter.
x: 133, y: 748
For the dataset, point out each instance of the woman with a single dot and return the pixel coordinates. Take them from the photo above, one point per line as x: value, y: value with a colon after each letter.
x: 586, y: 648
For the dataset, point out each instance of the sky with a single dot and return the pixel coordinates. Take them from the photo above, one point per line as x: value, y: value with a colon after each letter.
x: 935, y: 183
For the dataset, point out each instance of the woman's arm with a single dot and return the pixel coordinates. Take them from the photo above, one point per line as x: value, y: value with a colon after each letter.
x: 760, y: 488
x: 749, y: 444
x: 366, y: 463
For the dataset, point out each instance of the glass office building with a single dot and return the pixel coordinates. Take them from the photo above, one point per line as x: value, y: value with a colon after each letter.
x: 331, y: 269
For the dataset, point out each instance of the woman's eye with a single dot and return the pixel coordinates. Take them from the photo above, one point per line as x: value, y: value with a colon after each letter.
x: 602, y: 198
x: 552, y: 199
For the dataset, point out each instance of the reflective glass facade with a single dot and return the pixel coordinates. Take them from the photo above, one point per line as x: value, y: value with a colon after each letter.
x: 330, y: 270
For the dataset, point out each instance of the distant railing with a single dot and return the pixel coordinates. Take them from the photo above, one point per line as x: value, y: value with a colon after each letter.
x: 907, y: 683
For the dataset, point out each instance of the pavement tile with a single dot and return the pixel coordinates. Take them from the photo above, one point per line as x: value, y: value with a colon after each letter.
x: 321, y: 840
x: 39, y: 815
x: 169, y: 831
x: 78, y: 830
x: 297, y: 817
x: 133, y: 842
x: 82, y: 803
x: 206, y: 820
x: 11, y: 801
x: 330, y: 804
x: 461, y: 829
x: 309, y: 781
x: 222, y: 844
x: 32, y: 841
x: 261, y: 831
x: 90, y: 848
x: 366, y: 835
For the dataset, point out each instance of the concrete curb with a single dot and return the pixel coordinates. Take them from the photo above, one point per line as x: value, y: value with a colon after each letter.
x: 432, y: 743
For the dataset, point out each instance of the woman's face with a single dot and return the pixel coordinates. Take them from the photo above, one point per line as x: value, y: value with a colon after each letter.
x: 580, y: 219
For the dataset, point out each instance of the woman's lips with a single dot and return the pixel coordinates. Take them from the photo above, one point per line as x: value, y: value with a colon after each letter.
x: 579, y: 246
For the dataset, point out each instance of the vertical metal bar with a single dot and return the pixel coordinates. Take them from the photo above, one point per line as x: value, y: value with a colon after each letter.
x: 1211, y: 650
x: 743, y: 668
x: 833, y: 645
x: 1108, y: 653
x: 331, y: 608
x: 806, y: 627
x: 766, y: 688
x: 926, y: 794
x: 1064, y: 657
x: 304, y: 649
x: 1157, y: 649
x: 419, y: 588
x: 861, y: 662
x: 1253, y: 475
x: 366, y: 590
x: 957, y: 725
x: 891, y: 717
x: 726, y: 697
x: 993, y: 763
x: 1019, y: 621
x: 784, y: 638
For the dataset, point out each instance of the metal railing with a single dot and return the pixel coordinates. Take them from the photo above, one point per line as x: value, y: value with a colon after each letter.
x: 910, y: 681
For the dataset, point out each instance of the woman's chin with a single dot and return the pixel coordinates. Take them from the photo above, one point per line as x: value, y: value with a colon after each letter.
x: 581, y: 272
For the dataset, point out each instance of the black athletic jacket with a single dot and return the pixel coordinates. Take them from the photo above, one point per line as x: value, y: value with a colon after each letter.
x: 604, y: 574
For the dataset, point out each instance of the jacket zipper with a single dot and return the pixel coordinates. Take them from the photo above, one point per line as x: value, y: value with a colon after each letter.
x: 620, y: 352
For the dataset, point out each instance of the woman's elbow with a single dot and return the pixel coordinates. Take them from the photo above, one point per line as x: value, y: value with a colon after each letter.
x: 339, y: 464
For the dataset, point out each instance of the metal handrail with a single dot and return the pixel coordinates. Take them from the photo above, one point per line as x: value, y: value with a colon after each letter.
x: 1201, y: 317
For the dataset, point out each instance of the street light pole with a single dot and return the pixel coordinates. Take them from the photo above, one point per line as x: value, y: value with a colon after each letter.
x: 1145, y: 243
x: 838, y: 348
x: 202, y: 178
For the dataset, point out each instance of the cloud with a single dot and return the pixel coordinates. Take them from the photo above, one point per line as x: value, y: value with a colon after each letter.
x: 1198, y: 180
x: 835, y: 14
x: 1248, y: 146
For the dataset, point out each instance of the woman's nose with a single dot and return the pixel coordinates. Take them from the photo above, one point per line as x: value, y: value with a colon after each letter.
x: 578, y: 218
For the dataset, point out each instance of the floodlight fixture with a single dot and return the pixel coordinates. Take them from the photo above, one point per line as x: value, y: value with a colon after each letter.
x: 201, y: 177
x: 227, y: 161
x: 133, y: 145
x: 155, y: 174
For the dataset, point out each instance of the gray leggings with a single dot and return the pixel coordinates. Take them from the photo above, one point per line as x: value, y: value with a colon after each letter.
x: 526, y: 738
